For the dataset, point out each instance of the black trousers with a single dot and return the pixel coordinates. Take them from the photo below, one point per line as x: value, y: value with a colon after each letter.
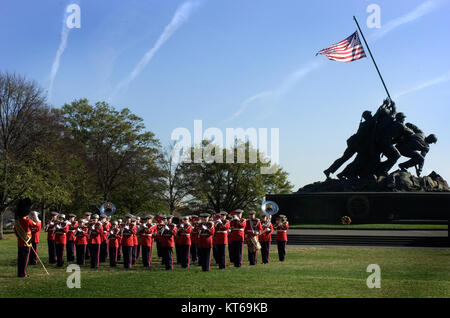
x: 214, y: 252
x: 146, y: 255
x: 265, y: 252
x: 252, y: 258
x: 167, y: 252
x: 81, y: 254
x: 95, y: 254
x: 281, y: 250
x: 113, y: 256
x: 119, y: 252
x: 159, y: 248
x: 60, y: 254
x: 194, y: 253
x: 138, y: 251
x: 204, y: 258
x: 88, y: 252
x: 51, y: 251
x: 33, y: 258
x: 230, y: 252
x: 184, y: 255
x: 221, y: 251
x: 133, y: 254
x: 103, y: 252
x: 23, y: 254
x: 70, y: 249
x: 177, y: 253
x: 236, y: 249
x: 348, y: 153
x: 127, y: 256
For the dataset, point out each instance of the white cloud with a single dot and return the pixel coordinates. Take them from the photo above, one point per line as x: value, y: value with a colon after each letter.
x: 180, y: 17
x: 421, y: 10
x: 432, y: 82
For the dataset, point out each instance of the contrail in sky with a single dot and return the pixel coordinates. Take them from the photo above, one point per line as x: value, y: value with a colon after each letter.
x: 62, y: 46
x: 435, y: 81
x: 421, y: 10
x: 281, y: 90
x: 180, y: 17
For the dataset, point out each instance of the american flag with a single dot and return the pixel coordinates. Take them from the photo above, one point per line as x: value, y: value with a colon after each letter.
x: 347, y: 50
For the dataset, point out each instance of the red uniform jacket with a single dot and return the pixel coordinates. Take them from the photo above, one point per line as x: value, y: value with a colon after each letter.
x: 61, y: 233
x: 106, y: 226
x: 282, y: 231
x: 194, y: 233
x: 267, y: 230
x: 127, y: 234
x: 205, y: 235
x: 95, y: 231
x: 35, y: 228
x: 221, y: 232
x: 114, y: 237
x: 23, y: 231
x: 81, y: 234
x: 253, y: 228
x: 135, y: 238
x: 237, y: 230
x: 72, y: 228
x: 167, y: 236
x: 184, y: 234
x: 146, y: 234
x: 49, y: 228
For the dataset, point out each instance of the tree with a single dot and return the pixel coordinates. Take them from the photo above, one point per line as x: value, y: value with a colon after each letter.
x: 229, y: 186
x: 22, y: 103
x: 176, y: 185
x: 117, y: 150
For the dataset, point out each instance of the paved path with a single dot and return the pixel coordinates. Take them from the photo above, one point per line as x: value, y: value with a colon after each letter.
x: 399, y: 233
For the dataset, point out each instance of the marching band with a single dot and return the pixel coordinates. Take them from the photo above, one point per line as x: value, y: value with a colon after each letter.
x: 96, y: 238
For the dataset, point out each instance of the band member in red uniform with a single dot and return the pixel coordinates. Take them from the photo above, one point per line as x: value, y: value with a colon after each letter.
x: 230, y: 249
x: 183, y: 240
x: 119, y: 250
x: 146, y: 231
x: 265, y: 238
x: 50, y: 229
x: 281, y: 226
x: 70, y: 245
x: 159, y: 220
x: 168, y: 233
x: 221, y: 238
x: 113, y: 236
x: 61, y: 229
x: 236, y: 238
x: 252, y: 229
x: 35, y: 228
x: 128, y: 231
x: 135, y: 241
x: 22, y: 229
x: 81, y: 235
x: 87, y: 217
x: 205, y: 241
x: 214, y: 217
x: 95, y: 230
x: 194, y: 238
x: 104, y: 237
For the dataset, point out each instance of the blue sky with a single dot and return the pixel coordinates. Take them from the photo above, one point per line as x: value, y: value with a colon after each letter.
x: 247, y: 63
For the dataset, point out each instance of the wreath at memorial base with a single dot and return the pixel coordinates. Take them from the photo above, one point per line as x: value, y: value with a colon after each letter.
x: 346, y: 220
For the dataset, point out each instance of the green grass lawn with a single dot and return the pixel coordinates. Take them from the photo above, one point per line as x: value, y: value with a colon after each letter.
x: 307, y: 272
x: 372, y: 226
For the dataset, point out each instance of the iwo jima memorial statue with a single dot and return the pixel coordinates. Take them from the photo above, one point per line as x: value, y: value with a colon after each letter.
x: 364, y: 189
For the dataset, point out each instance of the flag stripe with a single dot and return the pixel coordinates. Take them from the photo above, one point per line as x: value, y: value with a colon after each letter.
x: 347, y: 50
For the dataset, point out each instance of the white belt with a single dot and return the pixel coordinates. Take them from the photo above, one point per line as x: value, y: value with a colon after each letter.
x: 237, y: 229
x: 282, y: 230
x: 222, y: 232
x: 146, y: 234
x: 185, y: 234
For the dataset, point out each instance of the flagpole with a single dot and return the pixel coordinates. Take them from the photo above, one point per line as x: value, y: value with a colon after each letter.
x: 357, y: 24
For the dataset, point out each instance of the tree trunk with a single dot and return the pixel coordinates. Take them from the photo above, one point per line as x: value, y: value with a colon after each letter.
x: 1, y: 226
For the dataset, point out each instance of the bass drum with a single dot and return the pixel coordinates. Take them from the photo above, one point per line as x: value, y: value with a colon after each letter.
x: 253, y: 244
